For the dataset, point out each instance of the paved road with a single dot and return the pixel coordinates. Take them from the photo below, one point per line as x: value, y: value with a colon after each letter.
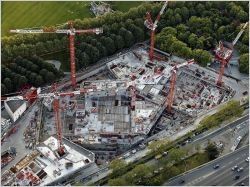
x: 196, y: 140
x: 243, y: 181
x: 16, y: 139
x: 232, y: 125
x: 223, y: 176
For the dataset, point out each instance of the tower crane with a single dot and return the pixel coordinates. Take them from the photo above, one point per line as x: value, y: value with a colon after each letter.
x: 223, y: 54
x: 71, y: 32
x: 56, y: 106
x: 170, y: 97
x: 133, y: 95
x: 152, y: 26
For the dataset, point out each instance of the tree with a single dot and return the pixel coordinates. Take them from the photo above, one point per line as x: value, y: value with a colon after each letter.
x: 200, y: 9
x: 43, y: 72
x: 244, y: 63
x: 50, y: 77
x: 32, y: 78
x: 158, y: 146
x: 109, y: 45
x: 140, y: 171
x: 129, y: 39
x: 118, y: 166
x: 119, y: 42
x: 84, y: 59
x: 176, y: 155
x: 178, y: 18
x: 169, y: 30
x: 184, y: 13
x: 202, y: 57
x: 243, y: 48
x: 4, y: 89
x: 21, y: 81
x: 117, y: 182
x: 93, y: 53
x: 192, y: 40
x: 212, y: 151
x: 138, y: 34
x: 34, y: 68
x: 39, y: 80
x: 7, y: 82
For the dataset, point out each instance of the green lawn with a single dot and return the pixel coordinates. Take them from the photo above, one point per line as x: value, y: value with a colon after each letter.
x: 125, y: 5
x: 36, y: 14
x: 62, y: 56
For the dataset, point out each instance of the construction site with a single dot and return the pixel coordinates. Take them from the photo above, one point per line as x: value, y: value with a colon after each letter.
x: 124, y: 103
x: 118, y: 106
x: 44, y: 166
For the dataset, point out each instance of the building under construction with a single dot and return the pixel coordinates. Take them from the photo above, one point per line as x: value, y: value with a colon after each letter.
x: 45, y: 167
x: 109, y: 117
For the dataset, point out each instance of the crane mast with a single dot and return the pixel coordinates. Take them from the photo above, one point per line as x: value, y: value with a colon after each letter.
x: 56, y: 107
x: 133, y: 96
x: 71, y: 32
x: 223, y: 54
x: 152, y: 26
x: 170, y: 97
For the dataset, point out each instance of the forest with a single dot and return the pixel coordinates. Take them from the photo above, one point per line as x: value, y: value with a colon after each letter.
x: 186, y: 29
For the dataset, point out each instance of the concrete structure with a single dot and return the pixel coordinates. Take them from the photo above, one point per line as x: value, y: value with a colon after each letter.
x: 100, y: 8
x: 45, y: 167
x: 15, y: 108
x: 5, y: 124
x: 102, y: 118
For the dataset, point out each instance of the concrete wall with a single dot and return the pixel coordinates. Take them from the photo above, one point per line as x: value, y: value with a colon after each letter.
x: 14, y: 116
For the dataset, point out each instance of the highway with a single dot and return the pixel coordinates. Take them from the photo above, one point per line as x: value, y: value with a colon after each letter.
x: 204, y: 136
x: 206, y: 175
x: 195, y: 140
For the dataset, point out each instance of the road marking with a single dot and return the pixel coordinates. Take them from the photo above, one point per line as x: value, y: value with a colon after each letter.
x: 220, y: 173
x: 200, y: 178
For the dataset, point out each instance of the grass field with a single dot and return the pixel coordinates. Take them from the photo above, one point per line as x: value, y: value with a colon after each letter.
x: 36, y: 14
x: 125, y: 5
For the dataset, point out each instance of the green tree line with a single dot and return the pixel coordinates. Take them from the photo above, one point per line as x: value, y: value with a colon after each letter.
x: 33, y: 71
x: 187, y: 29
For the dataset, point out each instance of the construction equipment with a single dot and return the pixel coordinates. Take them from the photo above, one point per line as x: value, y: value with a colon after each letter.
x: 223, y: 54
x: 170, y: 97
x: 133, y: 95
x: 56, y: 106
x: 71, y: 32
x: 152, y: 26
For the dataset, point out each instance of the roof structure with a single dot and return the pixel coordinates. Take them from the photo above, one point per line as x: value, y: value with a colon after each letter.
x: 45, y: 167
x: 15, y: 104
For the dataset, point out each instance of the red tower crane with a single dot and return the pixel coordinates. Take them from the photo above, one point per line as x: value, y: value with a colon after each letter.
x: 71, y: 32
x: 223, y: 54
x: 152, y: 26
x: 170, y: 97
x: 56, y: 107
x: 133, y: 95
